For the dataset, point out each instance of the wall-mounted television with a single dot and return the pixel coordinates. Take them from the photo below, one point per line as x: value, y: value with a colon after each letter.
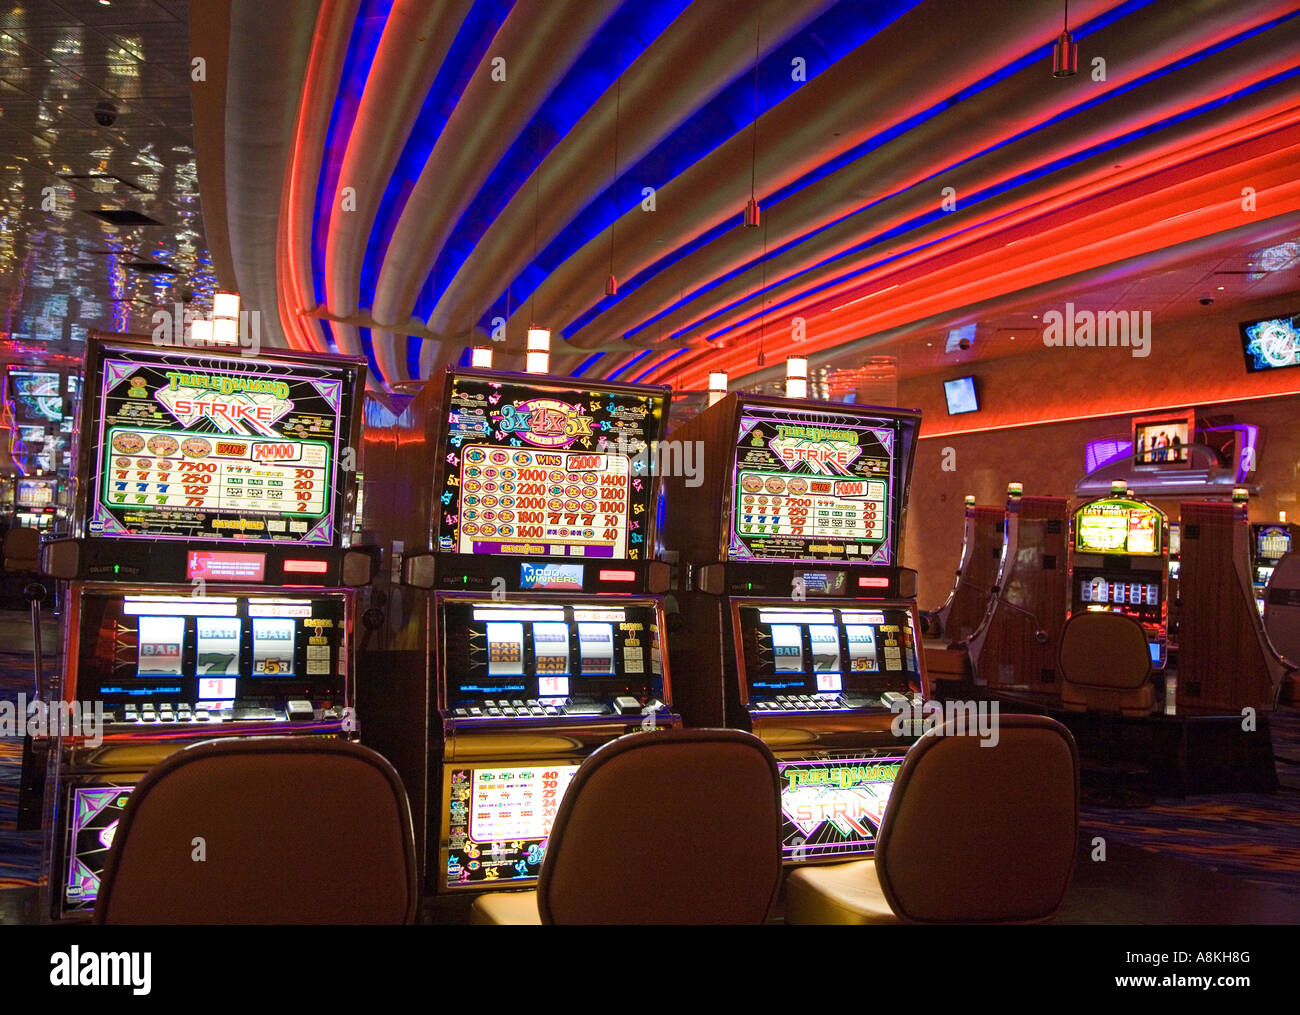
x: 1164, y: 440
x: 961, y: 396
x: 1272, y: 343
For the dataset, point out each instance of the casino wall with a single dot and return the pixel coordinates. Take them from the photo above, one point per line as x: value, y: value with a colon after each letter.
x: 1047, y: 405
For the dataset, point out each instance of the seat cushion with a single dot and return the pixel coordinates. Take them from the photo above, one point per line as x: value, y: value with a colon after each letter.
x: 512, y: 908
x: 842, y: 893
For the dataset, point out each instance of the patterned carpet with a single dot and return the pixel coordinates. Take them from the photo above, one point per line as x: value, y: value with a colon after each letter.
x: 1255, y: 836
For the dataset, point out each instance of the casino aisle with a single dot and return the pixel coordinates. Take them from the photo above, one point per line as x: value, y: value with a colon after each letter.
x: 651, y: 462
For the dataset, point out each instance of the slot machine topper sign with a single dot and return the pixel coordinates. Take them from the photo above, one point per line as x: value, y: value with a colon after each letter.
x: 192, y: 448
x: 540, y: 470
x: 812, y: 486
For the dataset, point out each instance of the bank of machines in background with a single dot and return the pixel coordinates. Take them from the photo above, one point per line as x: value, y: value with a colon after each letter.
x: 1226, y: 661
x: 211, y: 577
x: 1015, y: 646
x: 547, y: 615
x: 982, y: 546
x: 1119, y: 562
x: 796, y: 619
x: 1269, y: 543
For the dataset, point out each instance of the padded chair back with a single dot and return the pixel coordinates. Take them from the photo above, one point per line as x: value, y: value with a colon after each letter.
x: 978, y: 834
x: 1105, y: 664
x: 670, y: 827
x: 22, y: 549
x: 1282, y: 608
x: 294, y: 830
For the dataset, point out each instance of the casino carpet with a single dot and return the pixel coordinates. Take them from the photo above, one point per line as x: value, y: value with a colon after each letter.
x: 1254, y: 836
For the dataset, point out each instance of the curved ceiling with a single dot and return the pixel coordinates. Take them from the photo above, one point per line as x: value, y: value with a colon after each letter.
x: 405, y: 178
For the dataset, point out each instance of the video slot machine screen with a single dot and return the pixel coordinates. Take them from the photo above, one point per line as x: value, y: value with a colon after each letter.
x: 850, y: 651
x: 1271, y: 344
x: 37, y: 493
x: 36, y: 396
x: 1118, y: 526
x: 540, y: 651
x: 214, y: 650
x: 543, y: 470
x: 93, y: 815
x: 833, y: 806
x: 199, y: 447
x: 498, y: 821
x: 815, y: 485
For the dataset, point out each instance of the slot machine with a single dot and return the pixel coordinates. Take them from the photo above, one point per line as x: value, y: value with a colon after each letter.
x: 1269, y: 543
x: 982, y: 547
x: 547, y: 617
x: 797, y: 620
x: 1119, y: 561
x: 210, y: 576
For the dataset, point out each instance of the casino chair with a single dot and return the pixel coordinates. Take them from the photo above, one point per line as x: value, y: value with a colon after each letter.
x: 1105, y: 665
x: 971, y: 834
x: 294, y: 830
x: 670, y: 827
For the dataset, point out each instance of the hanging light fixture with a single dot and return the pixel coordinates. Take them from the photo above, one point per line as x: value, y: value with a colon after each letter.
x: 752, y: 213
x: 539, y: 351
x: 201, y: 331
x: 225, y: 331
x: 796, y: 377
x: 225, y: 305
x: 481, y: 356
x: 717, y: 387
x: 1065, y: 54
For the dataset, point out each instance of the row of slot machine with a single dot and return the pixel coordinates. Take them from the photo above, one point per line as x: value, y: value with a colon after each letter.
x: 593, y: 574
x: 1121, y: 554
x: 588, y: 574
x: 211, y: 578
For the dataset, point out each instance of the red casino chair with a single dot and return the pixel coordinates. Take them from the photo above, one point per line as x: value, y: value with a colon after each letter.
x: 670, y: 827
x: 1105, y: 665
x: 264, y: 830
x: 971, y: 834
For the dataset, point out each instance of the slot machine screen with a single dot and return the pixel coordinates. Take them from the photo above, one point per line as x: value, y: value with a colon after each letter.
x: 1118, y: 526
x: 548, y: 651
x: 94, y: 812
x: 836, y: 650
x: 1272, y: 543
x: 547, y: 470
x: 36, y: 397
x: 498, y: 820
x: 214, y: 650
x: 815, y: 485
x: 190, y: 446
x: 833, y: 806
x: 36, y: 493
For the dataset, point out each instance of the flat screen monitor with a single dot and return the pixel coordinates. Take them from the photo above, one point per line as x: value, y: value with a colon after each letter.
x: 538, y: 468
x: 961, y: 396
x: 817, y: 485
x: 205, y: 447
x: 1271, y: 344
x: 1117, y: 525
x: 1163, y: 440
x: 36, y: 396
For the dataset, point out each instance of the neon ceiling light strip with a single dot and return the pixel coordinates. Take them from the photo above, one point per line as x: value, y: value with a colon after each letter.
x: 930, y: 217
x: 672, y: 356
x: 362, y: 44
x: 984, y: 228
x: 833, y: 165
x: 836, y: 33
